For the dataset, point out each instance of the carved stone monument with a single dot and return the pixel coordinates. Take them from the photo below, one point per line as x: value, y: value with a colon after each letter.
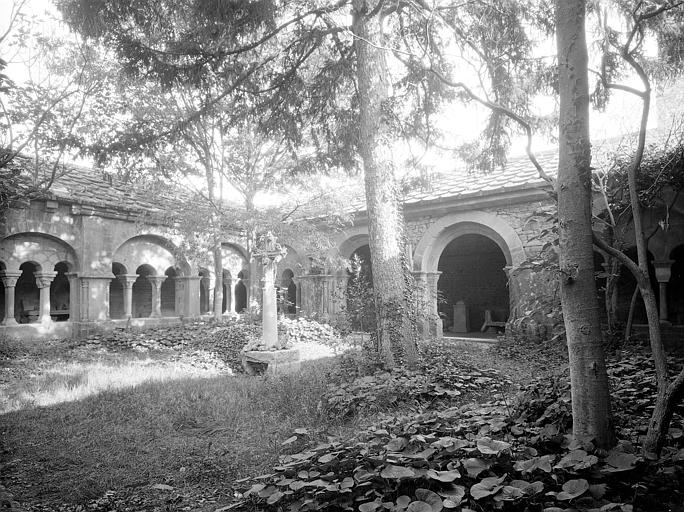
x: 270, y: 355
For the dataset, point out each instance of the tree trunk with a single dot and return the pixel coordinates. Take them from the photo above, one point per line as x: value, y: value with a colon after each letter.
x: 385, y: 220
x: 588, y: 377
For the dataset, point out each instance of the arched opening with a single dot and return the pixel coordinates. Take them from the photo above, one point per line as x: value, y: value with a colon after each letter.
x: 472, y: 281
x: 227, y: 286
x: 288, y: 292
x: 205, y: 281
x: 27, y: 294
x: 116, y: 292
x: 142, y: 292
x: 675, y: 287
x: 360, y: 303
x: 168, y: 293
x: 626, y: 284
x: 240, y: 293
x: 60, y: 293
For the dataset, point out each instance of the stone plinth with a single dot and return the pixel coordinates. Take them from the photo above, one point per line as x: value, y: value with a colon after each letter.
x: 271, y: 361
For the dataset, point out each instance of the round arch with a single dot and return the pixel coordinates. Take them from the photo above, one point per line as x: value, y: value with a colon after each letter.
x: 41, y: 249
x: 353, y: 242
x: 153, y: 250
x: 441, y: 233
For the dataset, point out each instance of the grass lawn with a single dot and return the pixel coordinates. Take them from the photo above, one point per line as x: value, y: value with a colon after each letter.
x: 163, y: 429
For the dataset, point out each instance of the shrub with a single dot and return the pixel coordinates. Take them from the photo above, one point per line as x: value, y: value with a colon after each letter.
x: 305, y: 330
x: 228, y: 339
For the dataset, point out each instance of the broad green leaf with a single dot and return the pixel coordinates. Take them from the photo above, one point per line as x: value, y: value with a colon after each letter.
x: 509, y: 493
x: 577, y: 459
x: 431, y: 498
x: 475, y: 466
x: 487, y: 487
x: 396, y: 445
x: 619, y: 461
x: 454, y: 493
x: 396, y: 472
x: 370, y: 506
x: 290, y: 440
x: 274, y: 498
x: 443, y: 476
x: 528, y: 487
x: 572, y: 489
x: 488, y: 446
x: 419, y: 506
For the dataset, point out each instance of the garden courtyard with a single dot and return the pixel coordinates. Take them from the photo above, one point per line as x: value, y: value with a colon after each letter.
x: 165, y: 419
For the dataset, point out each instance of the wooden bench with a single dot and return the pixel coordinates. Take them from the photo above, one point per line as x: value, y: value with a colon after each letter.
x: 488, y: 322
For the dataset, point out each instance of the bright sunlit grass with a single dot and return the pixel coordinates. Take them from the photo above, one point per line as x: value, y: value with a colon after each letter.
x: 64, y: 381
x: 104, y: 425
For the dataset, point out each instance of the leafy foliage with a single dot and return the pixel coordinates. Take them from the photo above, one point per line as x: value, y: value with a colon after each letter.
x: 307, y: 330
x: 479, y: 457
x: 362, y: 387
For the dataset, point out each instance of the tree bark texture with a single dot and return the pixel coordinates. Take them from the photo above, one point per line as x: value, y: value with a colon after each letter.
x: 588, y: 377
x: 385, y: 220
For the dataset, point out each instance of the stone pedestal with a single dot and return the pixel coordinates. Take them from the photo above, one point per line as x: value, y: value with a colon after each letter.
x: 271, y: 361
x: 461, y: 323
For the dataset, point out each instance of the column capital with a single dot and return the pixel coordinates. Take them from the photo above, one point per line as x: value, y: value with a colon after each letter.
x: 44, y: 279
x: 663, y: 270
x: 9, y: 278
x: 156, y: 280
x: 127, y: 280
x: 189, y: 278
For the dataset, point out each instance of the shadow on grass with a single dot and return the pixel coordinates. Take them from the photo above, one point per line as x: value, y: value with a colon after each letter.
x: 181, y: 432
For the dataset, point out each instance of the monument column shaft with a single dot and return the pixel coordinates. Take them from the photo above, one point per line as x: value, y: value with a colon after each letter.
x: 270, y: 304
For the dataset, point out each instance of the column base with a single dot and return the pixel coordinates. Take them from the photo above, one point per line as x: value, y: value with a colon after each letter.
x: 271, y: 361
x: 9, y: 321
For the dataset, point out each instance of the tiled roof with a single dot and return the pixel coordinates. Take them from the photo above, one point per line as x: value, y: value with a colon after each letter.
x: 75, y: 184
x: 518, y: 173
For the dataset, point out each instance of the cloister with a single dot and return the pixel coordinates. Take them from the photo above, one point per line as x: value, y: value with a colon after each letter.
x: 80, y: 260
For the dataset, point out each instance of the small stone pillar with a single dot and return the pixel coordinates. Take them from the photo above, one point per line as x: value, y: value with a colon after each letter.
x: 43, y: 282
x: 156, y: 282
x: 127, y: 281
x: 9, y: 280
x: 461, y: 324
x: 663, y: 271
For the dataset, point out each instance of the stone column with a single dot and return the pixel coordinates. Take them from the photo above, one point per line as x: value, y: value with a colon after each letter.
x: 93, y: 298
x: 156, y: 282
x: 269, y: 310
x: 231, y: 290
x: 9, y: 280
x: 127, y: 281
x: 187, y: 296
x: 436, y: 323
x: 663, y: 271
x: 74, y: 304
x: 43, y: 282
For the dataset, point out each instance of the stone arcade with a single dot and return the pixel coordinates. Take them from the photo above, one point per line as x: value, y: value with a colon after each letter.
x: 81, y: 260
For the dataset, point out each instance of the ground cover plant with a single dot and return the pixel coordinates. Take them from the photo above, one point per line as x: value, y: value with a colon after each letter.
x: 189, y: 425
x: 340, y: 435
x: 488, y: 456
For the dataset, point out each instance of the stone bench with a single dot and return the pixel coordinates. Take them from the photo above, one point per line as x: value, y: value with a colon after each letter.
x: 489, y: 322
